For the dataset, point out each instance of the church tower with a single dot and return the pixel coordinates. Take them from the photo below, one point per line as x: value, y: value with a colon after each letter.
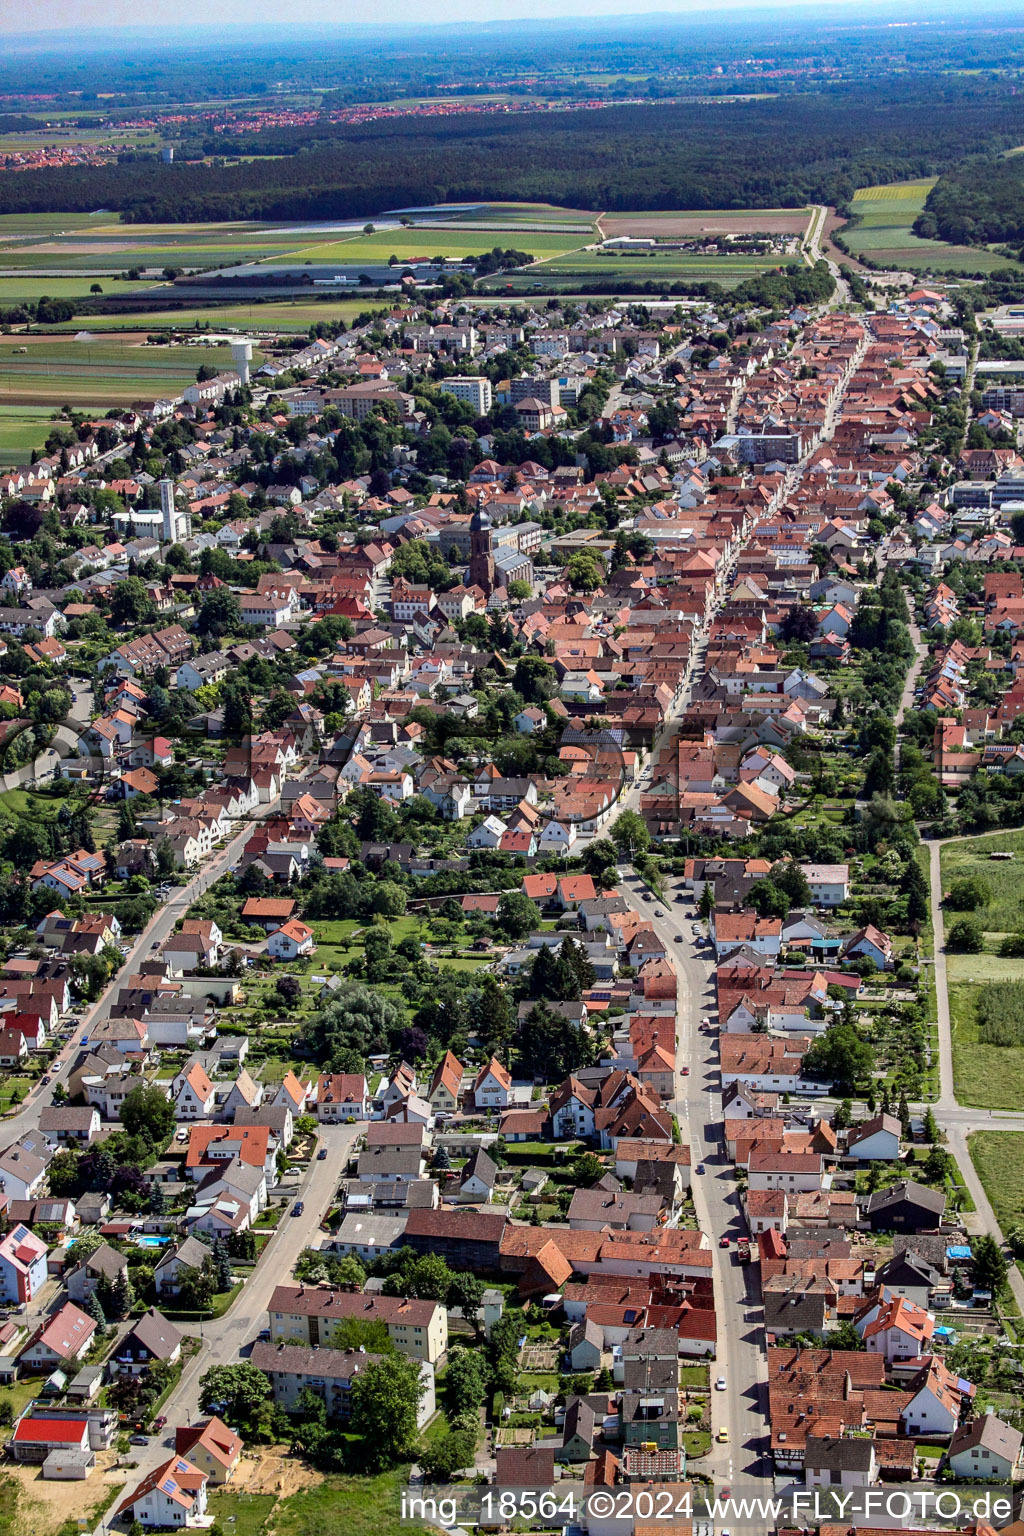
x: 481, y: 560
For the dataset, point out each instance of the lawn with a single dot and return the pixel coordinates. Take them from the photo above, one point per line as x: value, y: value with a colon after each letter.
x: 13, y: 1090
x: 359, y: 1506
x: 984, y: 1076
x: 998, y: 1157
x: 885, y: 215
x: 1004, y: 912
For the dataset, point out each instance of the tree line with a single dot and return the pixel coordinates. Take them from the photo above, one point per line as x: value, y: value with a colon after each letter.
x: 787, y: 151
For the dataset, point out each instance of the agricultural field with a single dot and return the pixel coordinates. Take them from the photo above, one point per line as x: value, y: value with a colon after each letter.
x: 22, y: 428
x: 566, y: 272
x: 70, y: 243
x: 426, y: 241
x: 520, y: 215
x: 668, y: 224
x: 882, y: 233
x: 29, y: 286
x: 110, y: 370
x: 254, y: 318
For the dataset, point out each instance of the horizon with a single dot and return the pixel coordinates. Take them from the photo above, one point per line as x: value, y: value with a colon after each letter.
x: 111, y: 20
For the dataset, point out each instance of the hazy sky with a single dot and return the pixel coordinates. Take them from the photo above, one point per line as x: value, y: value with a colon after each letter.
x: 71, y: 16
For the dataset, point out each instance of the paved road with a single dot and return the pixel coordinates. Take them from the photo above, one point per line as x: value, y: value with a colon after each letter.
x: 228, y: 1339
x: 160, y: 927
x: 742, y: 1408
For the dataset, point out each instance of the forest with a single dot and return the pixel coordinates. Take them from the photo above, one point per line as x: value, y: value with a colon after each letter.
x: 765, y: 153
x: 642, y: 55
x: 976, y: 203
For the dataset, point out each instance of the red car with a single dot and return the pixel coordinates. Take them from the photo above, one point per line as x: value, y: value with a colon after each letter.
x: 685, y: 1071
x: 723, y: 1242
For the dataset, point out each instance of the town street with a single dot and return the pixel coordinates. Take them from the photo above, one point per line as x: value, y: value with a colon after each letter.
x: 160, y: 927
x: 742, y: 1408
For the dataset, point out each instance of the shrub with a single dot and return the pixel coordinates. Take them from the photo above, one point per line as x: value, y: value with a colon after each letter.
x: 966, y: 937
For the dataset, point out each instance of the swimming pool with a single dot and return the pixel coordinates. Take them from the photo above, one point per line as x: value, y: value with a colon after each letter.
x: 151, y: 1242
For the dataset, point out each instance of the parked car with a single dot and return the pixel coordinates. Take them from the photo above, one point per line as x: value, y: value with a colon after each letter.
x: 723, y: 1242
x: 720, y: 1384
x: 685, y: 1071
x: 297, y: 1208
x: 138, y: 1439
x: 700, y: 1167
x: 321, y: 1154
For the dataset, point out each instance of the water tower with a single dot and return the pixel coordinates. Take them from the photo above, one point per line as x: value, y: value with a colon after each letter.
x: 241, y: 353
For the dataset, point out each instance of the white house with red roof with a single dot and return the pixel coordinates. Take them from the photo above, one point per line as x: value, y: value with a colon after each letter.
x: 897, y: 1329
x: 174, y: 1495
x: 493, y: 1086
x: 290, y: 941
x: 64, y: 1339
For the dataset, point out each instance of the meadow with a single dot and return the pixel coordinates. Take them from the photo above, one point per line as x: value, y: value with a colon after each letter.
x: 1004, y: 910
x: 885, y: 216
x: 997, y: 1158
x: 984, y: 1076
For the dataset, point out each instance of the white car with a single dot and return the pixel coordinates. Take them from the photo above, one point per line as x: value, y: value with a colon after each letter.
x: 720, y: 1384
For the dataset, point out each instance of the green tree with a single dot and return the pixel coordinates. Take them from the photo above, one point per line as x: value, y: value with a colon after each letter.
x: 63, y: 1175
x: 839, y: 1056
x: 219, y: 614
x: 385, y: 1400
x: 630, y: 834
x: 130, y: 603
x: 447, y: 1454
x: 240, y: 1393
x: 843, y: 1116
x: 466, y: 1380
x: 548, y: 1047
x: 466, y: 1291
x: 989, y: 1264
x: 197, y: 1286
x: 968, y: 894
x: 966, y: 937
x: 148, y: 1112
x: 517, y: 915
x: 585, y: 1169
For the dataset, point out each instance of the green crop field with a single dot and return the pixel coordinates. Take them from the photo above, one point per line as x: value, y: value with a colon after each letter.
x: 566, y: 271
x: 425, y: 241
x: 276, y: 316
x: 29, y: 286
x: 885, y: 215
x: 22, y: 428
x: 111, y: 371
